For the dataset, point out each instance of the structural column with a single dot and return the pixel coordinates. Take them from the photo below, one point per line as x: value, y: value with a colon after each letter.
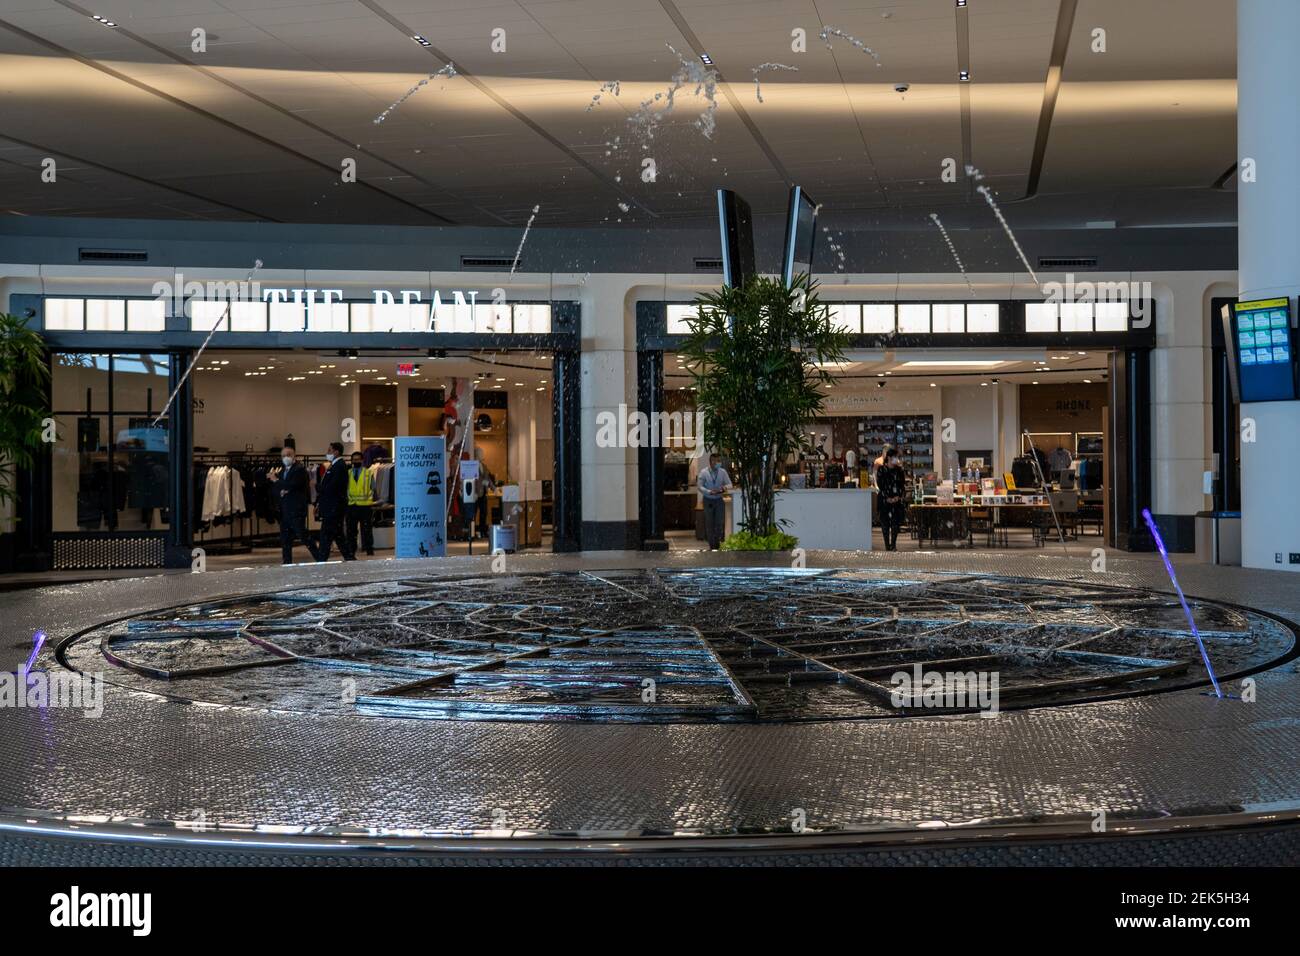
x: 1268, y: 214
x: 609, y: 468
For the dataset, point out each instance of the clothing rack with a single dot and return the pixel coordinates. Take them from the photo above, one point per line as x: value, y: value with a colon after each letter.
x: 230, y: 545
x: 249, y: 533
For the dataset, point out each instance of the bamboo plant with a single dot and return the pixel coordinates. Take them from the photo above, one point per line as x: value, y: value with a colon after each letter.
x: 24, y: 375
x: 761, y: 356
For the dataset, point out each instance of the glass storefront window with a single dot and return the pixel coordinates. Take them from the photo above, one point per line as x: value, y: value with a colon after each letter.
x: 1041, y: 316
x: 105, y: 315
x: 878, y: 319
x: 679, y: 317
x: 914, y: 318
x: 65, y: 315
x: 110, y: 463
x: 1112, y: 316
x: 533, y: 318
x: 146, y: 315
x: 140, y: 461
x: 492, y: 318
x: 982, y: 318
x: 1076, y: 316
x: 288, y: 316
x: 82, y: 492
x: 327, y: 318
x: 140, y: 382
x: 949, y: 317
x: 244, y: 316
x: 846, y: 318
x: 79, y: 382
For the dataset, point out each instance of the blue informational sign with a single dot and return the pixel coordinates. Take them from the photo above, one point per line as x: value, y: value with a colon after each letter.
x: 1265, y: 351
x: 420, y: 493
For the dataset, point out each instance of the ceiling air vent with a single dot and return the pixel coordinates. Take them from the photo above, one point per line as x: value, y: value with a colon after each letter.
x: 708, y: 265
x: 112, y: 255
x: 1078, y: 262
x: 486, y: 262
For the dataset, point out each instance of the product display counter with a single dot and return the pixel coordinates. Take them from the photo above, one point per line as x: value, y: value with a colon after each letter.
x: 837, y: 519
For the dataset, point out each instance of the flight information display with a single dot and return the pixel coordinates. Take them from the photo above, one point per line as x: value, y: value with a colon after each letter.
x: 1265, y: 350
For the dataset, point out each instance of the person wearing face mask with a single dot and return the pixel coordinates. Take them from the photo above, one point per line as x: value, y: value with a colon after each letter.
x: 332, y: 505
x: 891, y: 483
x: 293, y: 491
x: 361, y: 504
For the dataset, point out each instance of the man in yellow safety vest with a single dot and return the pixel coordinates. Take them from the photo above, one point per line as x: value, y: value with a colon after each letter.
x: 361, y: 503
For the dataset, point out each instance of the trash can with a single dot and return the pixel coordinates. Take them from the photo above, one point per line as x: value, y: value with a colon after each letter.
x: 1218, y: 537
x: 504, y: 538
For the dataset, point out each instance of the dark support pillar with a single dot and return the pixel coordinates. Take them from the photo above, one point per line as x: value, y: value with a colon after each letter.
x: 1227, y: 486
x: 180, y: 458
x: 567, y: 422
x: 650, y: 457
x: 1130, y: 430
x: 34, y: 511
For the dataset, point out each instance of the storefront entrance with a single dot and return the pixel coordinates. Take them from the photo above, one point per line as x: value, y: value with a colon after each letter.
x: 127, y: 486
x: 1057, y: 424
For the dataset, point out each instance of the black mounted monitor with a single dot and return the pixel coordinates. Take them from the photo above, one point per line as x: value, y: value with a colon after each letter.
x: 1262, y: 348
x: 737, y: 226
x: 800, y: 231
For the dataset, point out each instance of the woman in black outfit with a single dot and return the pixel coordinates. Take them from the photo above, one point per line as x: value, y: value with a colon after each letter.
x: 890, y: 484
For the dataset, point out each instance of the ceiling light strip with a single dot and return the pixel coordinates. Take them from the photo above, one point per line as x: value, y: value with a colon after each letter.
x: 1051, y: 89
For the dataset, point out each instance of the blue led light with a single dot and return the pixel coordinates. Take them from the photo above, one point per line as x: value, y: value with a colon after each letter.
x: 1164, y: 555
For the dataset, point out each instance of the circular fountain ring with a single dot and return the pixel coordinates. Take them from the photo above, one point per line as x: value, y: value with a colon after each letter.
x: 663, y: 646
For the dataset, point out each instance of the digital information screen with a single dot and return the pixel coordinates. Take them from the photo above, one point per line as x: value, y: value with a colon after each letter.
x: 1265, y: 350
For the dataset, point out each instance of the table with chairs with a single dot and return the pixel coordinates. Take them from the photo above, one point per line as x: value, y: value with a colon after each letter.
x: 993, y: 518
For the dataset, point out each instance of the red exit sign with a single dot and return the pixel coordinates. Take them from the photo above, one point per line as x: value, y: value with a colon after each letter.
x: 405, y: 368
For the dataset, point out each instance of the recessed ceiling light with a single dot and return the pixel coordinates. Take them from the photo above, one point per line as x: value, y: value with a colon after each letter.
x: 706, y: 59
x: 420, y: 40
x: 1033, y: 383
x: 1087, y: 381
x: 519, y: 383
x: 950, y: 364
x: 104, y: 20
x: 963, y: 75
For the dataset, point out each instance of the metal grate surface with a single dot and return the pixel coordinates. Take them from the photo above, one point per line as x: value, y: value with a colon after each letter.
x: 96, y: 552
x: 677, y: 646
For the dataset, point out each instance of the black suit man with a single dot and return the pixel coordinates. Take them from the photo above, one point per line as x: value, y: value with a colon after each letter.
x: 332, y: 505
x: 294, y: 494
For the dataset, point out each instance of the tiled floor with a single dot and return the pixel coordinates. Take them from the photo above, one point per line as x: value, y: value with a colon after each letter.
x: 146, y: 758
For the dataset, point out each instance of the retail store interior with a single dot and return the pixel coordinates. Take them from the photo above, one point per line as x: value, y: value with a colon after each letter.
x: 248, y: 405
x: 1002, y: 449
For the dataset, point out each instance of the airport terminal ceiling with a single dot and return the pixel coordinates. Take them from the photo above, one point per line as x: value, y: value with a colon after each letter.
x: 237, y: 111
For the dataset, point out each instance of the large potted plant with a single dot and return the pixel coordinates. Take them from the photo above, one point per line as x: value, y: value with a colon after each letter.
x: 24, y: 375
x: 761, y: 355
